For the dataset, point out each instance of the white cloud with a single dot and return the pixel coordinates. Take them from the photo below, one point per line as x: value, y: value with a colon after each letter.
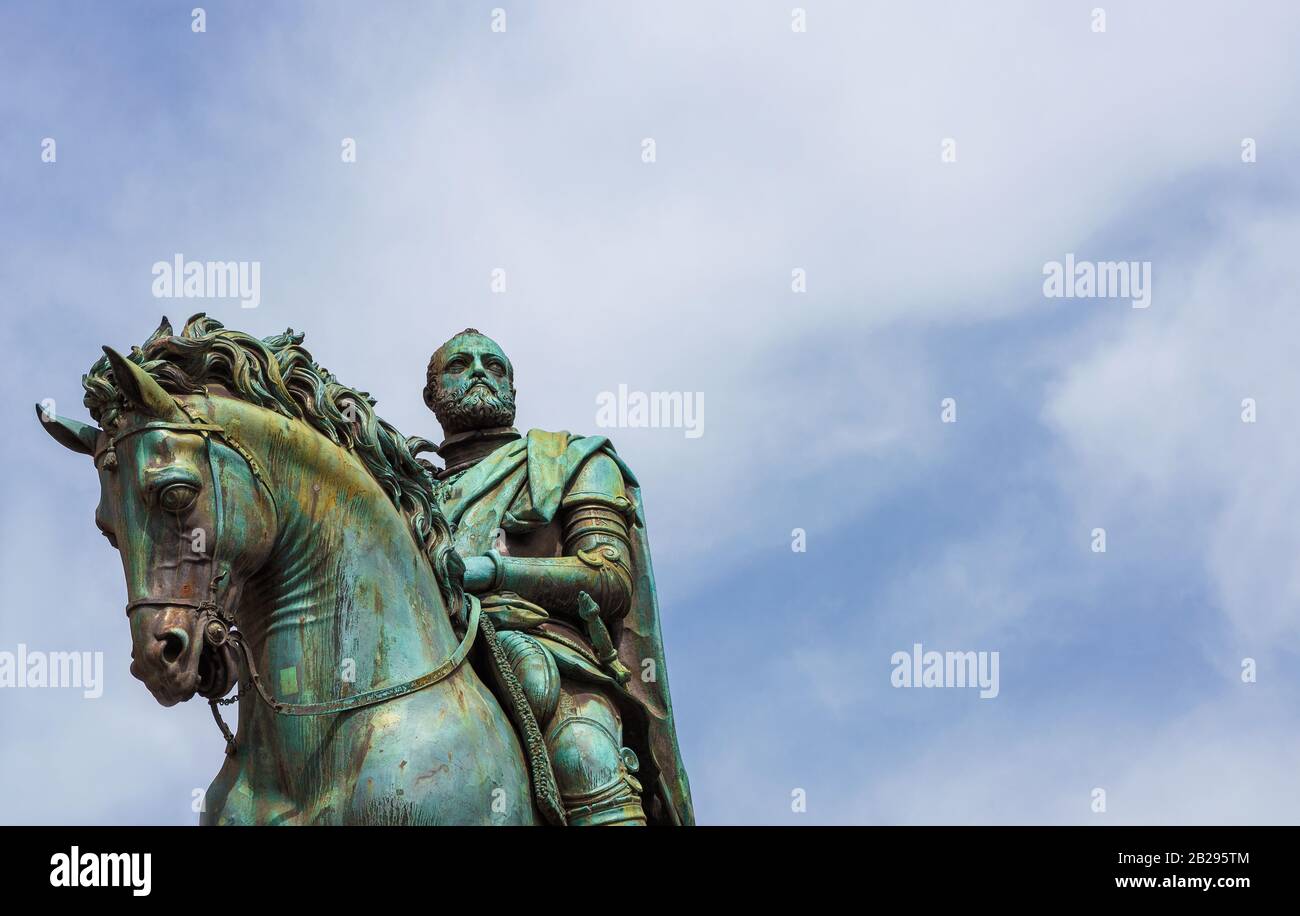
x: 1149, y: 418
x: 1221, y: 762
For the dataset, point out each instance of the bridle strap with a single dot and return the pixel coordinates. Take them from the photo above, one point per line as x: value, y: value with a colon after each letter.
x: 209, y: 606
x: 198, y: 426
x: 179, y: 602
x: 203, y: 428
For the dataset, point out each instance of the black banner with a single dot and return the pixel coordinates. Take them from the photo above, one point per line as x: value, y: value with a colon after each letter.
x: 137, y: 863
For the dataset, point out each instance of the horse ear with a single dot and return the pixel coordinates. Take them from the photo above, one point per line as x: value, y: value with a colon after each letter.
x: 73, y: 434
x: 140, y: 388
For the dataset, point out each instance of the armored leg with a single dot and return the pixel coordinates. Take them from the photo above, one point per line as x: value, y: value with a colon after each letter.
x: 583, y: 731
x: 535, y: 670
x: 592, y: 768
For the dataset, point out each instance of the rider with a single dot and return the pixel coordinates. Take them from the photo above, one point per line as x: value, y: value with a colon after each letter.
x: 553, y: 535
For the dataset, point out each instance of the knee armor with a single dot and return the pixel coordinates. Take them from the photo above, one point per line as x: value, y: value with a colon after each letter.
x: 594, y: 773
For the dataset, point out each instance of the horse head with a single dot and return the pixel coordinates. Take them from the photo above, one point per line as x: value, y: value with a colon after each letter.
x: 185, y: 509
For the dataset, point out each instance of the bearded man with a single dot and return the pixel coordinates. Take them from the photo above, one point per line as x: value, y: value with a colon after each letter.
x: 552, y: 531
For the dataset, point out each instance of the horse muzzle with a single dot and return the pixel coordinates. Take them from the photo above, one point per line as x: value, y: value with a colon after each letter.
x: 167, y: 651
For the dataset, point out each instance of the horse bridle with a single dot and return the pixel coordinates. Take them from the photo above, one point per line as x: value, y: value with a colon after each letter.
x: 218, y: 625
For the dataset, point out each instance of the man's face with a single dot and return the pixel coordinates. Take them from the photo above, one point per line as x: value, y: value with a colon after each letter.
x: 473, y: 388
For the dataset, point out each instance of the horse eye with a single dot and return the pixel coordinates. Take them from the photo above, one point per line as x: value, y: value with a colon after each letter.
x: 178, y: 497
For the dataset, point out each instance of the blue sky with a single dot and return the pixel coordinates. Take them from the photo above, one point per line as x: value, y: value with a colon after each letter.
x: 775, y: 150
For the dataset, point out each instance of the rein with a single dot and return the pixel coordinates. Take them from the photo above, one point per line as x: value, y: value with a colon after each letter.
x: 370, y: 697
x: 219, y: 626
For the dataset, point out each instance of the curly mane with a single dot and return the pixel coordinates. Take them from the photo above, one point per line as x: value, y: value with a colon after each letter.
x: 279, y: 374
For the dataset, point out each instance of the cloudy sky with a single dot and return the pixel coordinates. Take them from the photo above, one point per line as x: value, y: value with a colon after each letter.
x: 775, y: 150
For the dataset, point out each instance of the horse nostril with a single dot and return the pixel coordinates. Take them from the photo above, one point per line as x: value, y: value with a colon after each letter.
x: 175, y: 642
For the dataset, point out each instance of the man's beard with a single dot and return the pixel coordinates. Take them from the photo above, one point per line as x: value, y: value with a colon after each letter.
x: 479, y: 408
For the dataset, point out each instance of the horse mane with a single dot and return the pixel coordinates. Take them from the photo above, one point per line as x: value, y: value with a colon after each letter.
x: 279, y: 374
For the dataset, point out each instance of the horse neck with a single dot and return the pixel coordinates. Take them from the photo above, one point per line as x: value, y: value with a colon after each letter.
x: 347, y: 594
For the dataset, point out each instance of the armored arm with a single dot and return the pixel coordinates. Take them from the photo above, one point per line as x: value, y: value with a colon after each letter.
x: 597, y: 552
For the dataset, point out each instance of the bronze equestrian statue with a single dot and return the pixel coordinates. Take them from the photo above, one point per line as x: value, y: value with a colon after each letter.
x: 276, y: 534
